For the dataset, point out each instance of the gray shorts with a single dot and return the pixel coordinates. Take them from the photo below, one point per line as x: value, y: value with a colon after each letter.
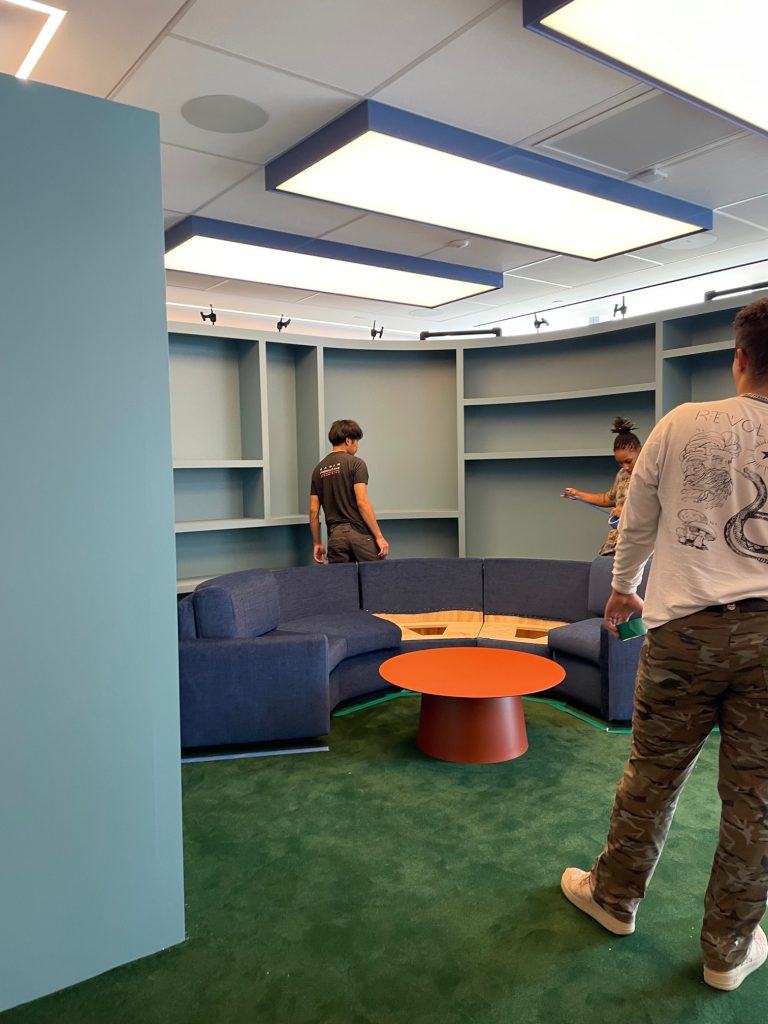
x: 346, y: 544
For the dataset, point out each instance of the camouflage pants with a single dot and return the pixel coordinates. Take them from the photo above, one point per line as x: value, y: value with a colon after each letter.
x: 707, y: 669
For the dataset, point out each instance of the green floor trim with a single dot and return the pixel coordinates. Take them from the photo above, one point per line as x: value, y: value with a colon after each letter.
x: 597, y: 723
x: 371, y: 703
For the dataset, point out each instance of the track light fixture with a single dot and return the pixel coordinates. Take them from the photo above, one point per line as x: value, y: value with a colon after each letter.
x: 282, y: 323
x: 376, y: 334
x: 539, y: 322
x: 209, y: 316
x: 621, y: 308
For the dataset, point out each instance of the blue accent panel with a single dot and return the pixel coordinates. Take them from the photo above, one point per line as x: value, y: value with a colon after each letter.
x: 89, y: 730
x: 436, y: 135
x: 534, y: 11
x: 317, y: 146
x: 307, y: 246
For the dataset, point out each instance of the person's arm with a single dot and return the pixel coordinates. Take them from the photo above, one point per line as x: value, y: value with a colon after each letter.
x: 369, y: 517
x: 318, y: 551
x: 602, y: 500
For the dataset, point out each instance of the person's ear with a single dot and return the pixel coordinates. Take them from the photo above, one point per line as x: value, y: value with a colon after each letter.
x: 741, y: 359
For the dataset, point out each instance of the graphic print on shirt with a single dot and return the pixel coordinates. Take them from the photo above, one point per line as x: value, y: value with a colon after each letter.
x: 694, y: 530
x: 754, y: 470
x: 706, y: 460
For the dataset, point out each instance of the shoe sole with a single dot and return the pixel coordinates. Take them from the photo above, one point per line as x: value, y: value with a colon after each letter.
x: 727, y: 981
x: 596, y: 912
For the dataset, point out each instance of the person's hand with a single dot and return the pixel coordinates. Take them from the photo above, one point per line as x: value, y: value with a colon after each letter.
x: 569, y: 492
x: 616, y: 512
x: 383, y: 546
x: 620, y: 608
x: 318, y: 553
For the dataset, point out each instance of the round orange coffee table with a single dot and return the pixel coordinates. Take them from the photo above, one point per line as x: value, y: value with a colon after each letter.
x: 471, y: 710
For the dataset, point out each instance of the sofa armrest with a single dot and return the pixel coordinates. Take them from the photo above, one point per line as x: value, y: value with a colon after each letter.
x: 254, y: 689
x: 618, y: 668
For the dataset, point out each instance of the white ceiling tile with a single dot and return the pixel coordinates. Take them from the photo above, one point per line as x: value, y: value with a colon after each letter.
x: 646, y: 131
x: 503, y: 81
x: 379, y: 232
x: 350, y: 44
x: 191, y: 179
x: 178, y: 71
x: 170, y: 217
x: 198, y: 282
x: 726, y: 235
x: 98, y: 42
x: 270, y: 297
x: 753, y: 210
x: 565, y: 270
x: 724, y: 174
x: 250, y: 203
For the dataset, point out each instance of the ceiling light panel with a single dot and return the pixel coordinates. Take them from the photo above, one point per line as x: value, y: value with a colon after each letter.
x: 202, y: 246
x: 52, y: 16
x: 710, y: 53
x: 389, y: 161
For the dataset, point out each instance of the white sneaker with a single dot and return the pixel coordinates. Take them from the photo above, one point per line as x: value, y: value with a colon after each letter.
x: 577, y: 888
x: 756, y: 957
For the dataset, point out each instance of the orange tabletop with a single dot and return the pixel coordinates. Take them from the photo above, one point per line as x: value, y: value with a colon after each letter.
x: 472, y: 672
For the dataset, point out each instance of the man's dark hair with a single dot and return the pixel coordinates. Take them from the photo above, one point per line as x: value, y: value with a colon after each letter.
x: 343, y: 429
x: 751, y: 326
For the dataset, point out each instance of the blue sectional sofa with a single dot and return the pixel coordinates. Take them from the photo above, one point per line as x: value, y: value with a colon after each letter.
x: 267, y: 655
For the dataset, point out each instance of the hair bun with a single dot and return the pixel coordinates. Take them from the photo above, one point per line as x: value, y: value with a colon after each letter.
x: 622, y: 426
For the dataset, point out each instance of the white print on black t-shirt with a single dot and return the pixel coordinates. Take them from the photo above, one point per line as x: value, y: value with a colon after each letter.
x: 333, y: 470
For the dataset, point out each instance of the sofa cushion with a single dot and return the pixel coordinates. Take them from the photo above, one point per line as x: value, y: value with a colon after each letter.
x: 240, y: 604
x: 309, y: 589
x: 536, y: 587
x: 412, y: 585
x: 363, y: 633
x: 581, y: 639
x: 185, y: 612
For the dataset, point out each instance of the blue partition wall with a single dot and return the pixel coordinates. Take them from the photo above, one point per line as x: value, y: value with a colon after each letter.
x: 89, y: 775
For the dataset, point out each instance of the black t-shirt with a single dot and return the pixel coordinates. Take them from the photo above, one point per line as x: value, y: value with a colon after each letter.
x: 333, y: 481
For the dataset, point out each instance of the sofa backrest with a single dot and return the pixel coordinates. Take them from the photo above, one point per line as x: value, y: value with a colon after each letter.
x: 312, y: 589
x: 412, y: 585
x: 541, y: 588
x: 185, y: 610
x: 238, y: 604
x: 600, y: 575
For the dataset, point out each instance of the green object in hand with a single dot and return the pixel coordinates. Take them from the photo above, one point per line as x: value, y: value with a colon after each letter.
x: 634, y: 627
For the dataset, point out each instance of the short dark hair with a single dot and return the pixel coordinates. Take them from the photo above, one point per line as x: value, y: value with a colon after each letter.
x: 626, y: 440
x: 343, y: 429
x: 751, y: 327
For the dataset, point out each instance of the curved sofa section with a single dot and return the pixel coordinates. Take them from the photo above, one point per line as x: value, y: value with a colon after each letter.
x: 266, y: 655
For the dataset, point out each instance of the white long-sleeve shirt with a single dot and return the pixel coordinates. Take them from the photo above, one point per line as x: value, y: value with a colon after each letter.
x: 698, y: 501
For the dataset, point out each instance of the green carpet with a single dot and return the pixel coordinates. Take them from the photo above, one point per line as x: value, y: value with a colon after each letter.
x: 371, y: 885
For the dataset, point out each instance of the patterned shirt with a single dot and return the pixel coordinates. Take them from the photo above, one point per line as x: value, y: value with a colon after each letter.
x: 618, y: 495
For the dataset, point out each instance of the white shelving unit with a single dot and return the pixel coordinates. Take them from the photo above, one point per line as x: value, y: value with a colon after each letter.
x: 469, y: 444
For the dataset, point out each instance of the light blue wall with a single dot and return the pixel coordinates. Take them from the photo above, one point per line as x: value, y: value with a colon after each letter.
x: 90, y: 819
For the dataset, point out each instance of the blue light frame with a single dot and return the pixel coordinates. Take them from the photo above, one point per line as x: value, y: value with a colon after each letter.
x: 534, y: 12
x: 266, y: 238
x: 378, y: 117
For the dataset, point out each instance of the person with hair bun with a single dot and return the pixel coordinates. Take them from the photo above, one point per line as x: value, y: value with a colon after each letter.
x: 626, y: 449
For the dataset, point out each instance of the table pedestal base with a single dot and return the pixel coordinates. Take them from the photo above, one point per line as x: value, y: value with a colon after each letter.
x: 472, y: 730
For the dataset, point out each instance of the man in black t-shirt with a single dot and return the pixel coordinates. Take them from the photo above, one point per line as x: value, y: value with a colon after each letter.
x: 340, y: 487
